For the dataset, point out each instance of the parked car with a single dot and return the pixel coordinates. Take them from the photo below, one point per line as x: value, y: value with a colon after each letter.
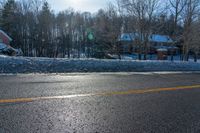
x: 8, y: 50
x: 2, y: 46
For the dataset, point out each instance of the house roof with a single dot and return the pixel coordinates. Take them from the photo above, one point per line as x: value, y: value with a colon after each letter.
x: 1, y: 31
x: 152, y: 38
x: 161, y: 38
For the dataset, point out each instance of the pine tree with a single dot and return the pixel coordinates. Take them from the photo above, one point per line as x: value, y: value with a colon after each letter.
x: 45, y: 29
x: 8, y: 16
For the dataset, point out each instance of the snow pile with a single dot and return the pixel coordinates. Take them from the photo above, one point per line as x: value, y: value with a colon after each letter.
x: 47, y: 65
x: 3, y: 56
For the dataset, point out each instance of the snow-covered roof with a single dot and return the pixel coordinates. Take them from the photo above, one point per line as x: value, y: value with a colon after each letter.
x: 160, y: 38
x: 152, y: 38
x: 162, y: 50
x: 1, y: 31
x: 128, y: 36
x: 166, y: 47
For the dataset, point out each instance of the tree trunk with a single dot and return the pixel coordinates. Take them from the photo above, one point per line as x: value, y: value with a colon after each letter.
x: 186, y: 53
x: 140, y: 53
x: 195, y: 57
x: 68, y: 52
x: 172, y: 55
x: 145, y: 52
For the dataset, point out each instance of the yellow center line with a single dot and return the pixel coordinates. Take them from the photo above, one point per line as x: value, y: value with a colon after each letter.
x: 141, y: 91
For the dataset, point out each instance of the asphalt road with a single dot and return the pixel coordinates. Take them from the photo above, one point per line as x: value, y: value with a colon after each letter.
x: 98, y: 103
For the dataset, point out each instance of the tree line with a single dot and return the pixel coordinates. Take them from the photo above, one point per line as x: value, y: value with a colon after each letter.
x: 39, y: 31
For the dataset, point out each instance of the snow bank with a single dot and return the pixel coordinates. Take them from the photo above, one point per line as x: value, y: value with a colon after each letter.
x: 47, y: 65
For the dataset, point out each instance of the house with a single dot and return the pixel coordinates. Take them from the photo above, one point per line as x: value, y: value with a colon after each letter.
x: 4, y: 38
x: 5, y: 47
x: 128, y: 42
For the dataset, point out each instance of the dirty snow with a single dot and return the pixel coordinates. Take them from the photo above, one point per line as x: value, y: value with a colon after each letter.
x: 47, y: 65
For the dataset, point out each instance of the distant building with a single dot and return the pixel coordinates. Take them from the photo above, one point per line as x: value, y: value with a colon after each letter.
x: 5, y: 47
x: 4, y: 38
x: 128, y: 42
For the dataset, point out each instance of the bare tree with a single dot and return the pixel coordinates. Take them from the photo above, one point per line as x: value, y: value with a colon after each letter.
x: 176, y: 8
x: 195, y: 40
x: 115, y: 21
x: 189, y: 15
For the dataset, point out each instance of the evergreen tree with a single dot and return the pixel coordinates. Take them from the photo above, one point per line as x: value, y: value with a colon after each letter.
x: 8, y: 22
x: 45, y: 26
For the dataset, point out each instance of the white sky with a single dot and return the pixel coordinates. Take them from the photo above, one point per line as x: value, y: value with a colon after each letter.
x: 80, y: 5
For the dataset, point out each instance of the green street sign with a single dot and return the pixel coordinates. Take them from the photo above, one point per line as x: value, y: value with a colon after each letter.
x: 90, y: 36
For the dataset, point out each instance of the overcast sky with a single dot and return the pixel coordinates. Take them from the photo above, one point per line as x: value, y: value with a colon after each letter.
x: 80, y: 5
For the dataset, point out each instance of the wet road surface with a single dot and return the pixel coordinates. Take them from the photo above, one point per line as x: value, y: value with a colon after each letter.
x: 96, y: 103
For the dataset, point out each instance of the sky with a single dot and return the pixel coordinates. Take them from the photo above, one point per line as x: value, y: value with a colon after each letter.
x: 79, y: 5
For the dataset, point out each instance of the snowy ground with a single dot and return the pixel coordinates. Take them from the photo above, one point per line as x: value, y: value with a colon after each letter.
x: 47, y: 65
x: 154, y: 57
